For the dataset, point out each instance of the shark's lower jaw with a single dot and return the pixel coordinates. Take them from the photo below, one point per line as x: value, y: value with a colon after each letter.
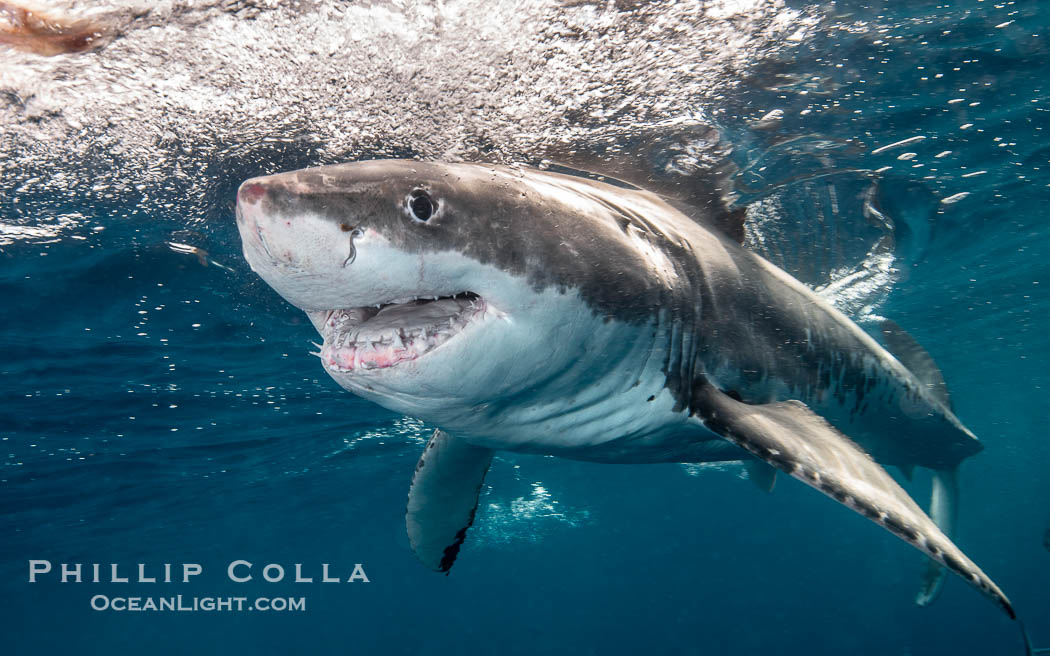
x: 402, y: 330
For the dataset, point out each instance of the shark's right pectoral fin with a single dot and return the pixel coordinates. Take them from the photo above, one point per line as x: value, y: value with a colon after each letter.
x: 444, y: 497
x: 792, y: 438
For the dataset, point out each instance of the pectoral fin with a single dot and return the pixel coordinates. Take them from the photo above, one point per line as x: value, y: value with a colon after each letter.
x: 792, y: 438
x: 444, y: 497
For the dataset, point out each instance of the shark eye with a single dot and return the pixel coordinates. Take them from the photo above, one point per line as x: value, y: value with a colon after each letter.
x: 421, y: 205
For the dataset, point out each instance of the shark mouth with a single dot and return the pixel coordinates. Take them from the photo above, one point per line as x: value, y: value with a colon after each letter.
x: 387, y: 334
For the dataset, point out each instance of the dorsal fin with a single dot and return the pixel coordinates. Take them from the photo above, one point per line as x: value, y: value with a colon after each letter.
x: 685, y: 164
x: 913, y: 356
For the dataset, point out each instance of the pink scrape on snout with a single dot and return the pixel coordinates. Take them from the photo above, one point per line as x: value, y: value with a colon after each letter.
x: 252, y: 193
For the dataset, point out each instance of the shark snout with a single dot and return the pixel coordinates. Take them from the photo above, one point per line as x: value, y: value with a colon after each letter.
x: 262, y: 230
x: 251, y: 193
x: 249, y: 214
x: 255, y: 198
x: 285, y: 231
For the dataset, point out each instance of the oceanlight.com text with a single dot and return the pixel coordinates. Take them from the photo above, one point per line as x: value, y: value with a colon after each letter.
x: 184, y: 603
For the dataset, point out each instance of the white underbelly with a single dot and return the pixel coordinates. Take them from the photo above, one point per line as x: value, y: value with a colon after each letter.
x: 625, y: 415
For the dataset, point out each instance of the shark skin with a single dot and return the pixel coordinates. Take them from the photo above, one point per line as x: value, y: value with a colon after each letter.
x: 538, y: 312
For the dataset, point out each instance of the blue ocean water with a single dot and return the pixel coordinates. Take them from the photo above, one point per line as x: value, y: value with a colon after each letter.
x: 158, y: 404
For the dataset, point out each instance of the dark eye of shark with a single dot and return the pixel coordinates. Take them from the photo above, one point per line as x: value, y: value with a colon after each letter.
x: 420, y: 205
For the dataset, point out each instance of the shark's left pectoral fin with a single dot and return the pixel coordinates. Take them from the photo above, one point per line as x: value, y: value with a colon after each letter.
x: 792, y: 438
x: 444, y: 497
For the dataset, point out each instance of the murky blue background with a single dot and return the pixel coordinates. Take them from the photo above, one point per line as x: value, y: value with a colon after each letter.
x: 156, y: 410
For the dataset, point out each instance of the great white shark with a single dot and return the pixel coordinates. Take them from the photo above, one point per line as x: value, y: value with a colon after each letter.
x: 531, y: 311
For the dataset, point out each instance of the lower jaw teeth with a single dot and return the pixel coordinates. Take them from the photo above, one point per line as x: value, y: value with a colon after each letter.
x: 347, y: 351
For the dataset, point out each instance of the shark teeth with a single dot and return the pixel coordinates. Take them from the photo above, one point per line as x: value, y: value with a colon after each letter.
x: 365, y: 339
